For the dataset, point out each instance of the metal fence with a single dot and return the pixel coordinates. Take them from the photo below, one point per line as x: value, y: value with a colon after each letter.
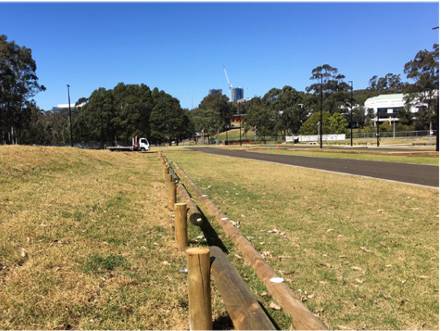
x: 391, y: 134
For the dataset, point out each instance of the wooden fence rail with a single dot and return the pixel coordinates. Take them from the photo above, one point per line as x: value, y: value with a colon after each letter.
x: 301, y: 317
x: 241, y: 304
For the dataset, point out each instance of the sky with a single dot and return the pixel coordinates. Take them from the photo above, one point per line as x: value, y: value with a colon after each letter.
x: 182, y: 48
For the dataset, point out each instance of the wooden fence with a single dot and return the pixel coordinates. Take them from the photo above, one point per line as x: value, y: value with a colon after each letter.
x: 241, y: 304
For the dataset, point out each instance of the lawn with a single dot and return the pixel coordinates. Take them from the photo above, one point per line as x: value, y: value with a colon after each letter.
x: 359, y: 252
x: 234, y: 134
x: 430, y: 158
x: 86, y: 242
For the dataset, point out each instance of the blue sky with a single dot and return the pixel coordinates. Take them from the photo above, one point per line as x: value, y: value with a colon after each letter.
x: 181, y: 48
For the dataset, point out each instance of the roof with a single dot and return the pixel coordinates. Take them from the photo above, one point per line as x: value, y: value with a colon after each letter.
x: 386, y: 101
x: 66, y: 105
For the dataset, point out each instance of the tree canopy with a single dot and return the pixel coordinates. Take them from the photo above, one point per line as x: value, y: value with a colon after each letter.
x: 113, y: 116
x: 18, y: 84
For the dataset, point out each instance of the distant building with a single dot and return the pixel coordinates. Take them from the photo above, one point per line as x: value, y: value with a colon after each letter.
x: 387, y: 106
x: 214, y: 91
x: 236, y: 94
x: 65, y: 106
x: 235, y: 121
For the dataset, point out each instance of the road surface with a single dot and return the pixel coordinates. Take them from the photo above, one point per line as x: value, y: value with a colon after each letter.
x: 402, y: 172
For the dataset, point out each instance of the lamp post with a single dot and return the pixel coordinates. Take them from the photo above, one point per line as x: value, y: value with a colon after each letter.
x: 437, y: 113
x: 70, y: 115
x: 321, y: 111
x: 240, y: 123
x: 352, y: 97
x: 378, y: 130
x: 227, y: 127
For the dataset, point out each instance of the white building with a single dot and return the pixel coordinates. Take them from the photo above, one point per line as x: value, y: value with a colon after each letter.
x: 387, y: 106
x: 65, y: 106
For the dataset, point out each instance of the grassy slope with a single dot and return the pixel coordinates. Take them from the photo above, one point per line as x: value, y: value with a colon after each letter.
x: 430, y: 158
x: 234, y: 134
x: 98, y: 242
x: 361, y: 253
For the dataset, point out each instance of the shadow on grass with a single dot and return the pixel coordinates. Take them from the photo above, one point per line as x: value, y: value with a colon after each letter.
x: 223, y: 322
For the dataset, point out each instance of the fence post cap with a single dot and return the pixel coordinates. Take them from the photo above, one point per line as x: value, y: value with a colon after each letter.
x: 197, y: 250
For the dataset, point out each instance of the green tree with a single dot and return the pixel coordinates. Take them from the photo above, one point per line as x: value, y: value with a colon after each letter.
x: 290, y: 106
x: 390, y: 83
x: 424, y: 71
x: 219, y: 105
x: 311, y: 125
x: 331, y: 83
x: 133, y: 105
x: 18, y: 84
x: 167, y: 118
x: 95, y: 120
x: 337, y: 123
x: 262, y: 119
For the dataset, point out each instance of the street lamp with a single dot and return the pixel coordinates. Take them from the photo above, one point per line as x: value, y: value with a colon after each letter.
x: 321, y: 110
x: 70, y: 115
x: 227, y: 127
x: 378, y: 130
x: 352, y: 97
x: 437, y: 114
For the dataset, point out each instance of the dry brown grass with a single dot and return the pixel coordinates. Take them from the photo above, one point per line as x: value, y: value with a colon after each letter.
x: 360, y: 252
x: 86, y: 242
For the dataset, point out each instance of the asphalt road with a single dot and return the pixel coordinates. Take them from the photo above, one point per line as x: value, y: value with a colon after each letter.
x: 408, y: 173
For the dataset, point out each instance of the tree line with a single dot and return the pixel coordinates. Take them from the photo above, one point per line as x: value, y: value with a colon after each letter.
x: 112, y: 116
x: 288, y: 111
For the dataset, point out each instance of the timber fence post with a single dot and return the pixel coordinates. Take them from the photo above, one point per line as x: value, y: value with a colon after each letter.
x: 171, y: 188
x: 199, y: 292
x: 181, y: 226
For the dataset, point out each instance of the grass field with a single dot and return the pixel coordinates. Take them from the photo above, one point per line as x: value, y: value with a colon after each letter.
x: 426, y: 141
x: 86, y: 242
x: 234, y: 134
x: 361, y: 253
x: 430, y: 158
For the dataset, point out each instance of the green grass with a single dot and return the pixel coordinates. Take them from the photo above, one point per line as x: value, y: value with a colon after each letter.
x: 359, y: 252
x: 100, y: 264
x: 234, y: 134
x: 429, y: 158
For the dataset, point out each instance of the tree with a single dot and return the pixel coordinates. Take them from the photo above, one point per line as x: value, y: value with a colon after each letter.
x: 262, y: 119
x: 168, y: 121
x: 332, y: 123
x: 290, y: 107
x: 206, y: 121
x: 133, y: 105
x: 390, y: 83
x: 18, y: 84
x: 359, y: 117
x: 405, y: 116
x: 337, y: 123
x: 424, y: 71
x: 311, y: 125
x: 219, y: 105
x: 331, y: 83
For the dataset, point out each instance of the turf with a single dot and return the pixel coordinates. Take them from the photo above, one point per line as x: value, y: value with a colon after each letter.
x: 86, y: 242
x: 360, y: 252
x: 429, y: 158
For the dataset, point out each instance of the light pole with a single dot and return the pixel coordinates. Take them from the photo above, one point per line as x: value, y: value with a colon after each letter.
x: 240, y: 123
x: 227, y: 127
x: 437, y: 114
x: 352, y: 95
x: 378, y: 130
x: 321, y: 110
x: 70, y: 115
